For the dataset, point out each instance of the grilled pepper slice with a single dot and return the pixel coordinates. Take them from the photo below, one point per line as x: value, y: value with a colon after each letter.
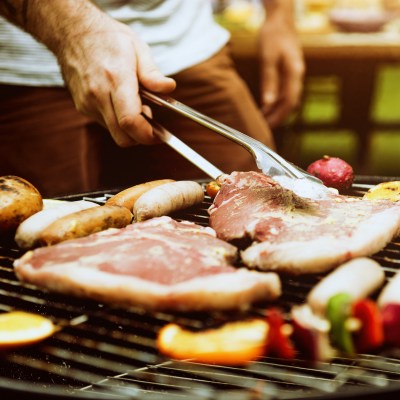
x: 20, y: 328
x: 311, y: 334
x: 212, y: 188
x: 369, y: 336
x: 235, y: 343
x: 338, y: 311
x: 278, y: 341
x: 391, y: 324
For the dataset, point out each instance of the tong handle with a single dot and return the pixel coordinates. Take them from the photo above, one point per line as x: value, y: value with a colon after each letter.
x: 250, y: 144
x: 183, y: 149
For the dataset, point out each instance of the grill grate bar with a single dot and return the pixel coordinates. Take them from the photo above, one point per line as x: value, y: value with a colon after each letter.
x: 128, y: 352
x: 170, y: 373
x: 80, y: 334
x: 94, y: 362
x: 144, y: 381
x: 320, y: 383
x: 75, y: 376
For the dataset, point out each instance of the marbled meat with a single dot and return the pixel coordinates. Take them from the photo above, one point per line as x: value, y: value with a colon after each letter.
x: 159, y: 264
x: 298, y: 235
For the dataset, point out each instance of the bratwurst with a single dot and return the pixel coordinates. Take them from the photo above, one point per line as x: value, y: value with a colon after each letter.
x: 83, y: 223
x: 127, y: 198
x: 166, y: 199
x: 27, y: 234
x: 359, y: 278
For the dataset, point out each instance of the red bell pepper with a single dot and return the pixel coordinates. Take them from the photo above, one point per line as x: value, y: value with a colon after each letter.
x: 311, y: 334
x: 370, y: 334
x: 279, y: 343
x: 391, y: 324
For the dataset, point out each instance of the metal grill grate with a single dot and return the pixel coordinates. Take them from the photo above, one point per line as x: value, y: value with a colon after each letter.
x: 106, y: 352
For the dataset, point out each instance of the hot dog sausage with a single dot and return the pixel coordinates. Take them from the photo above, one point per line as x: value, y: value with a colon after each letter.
x: 358, y: 278
x: 127, y: 197
x: 85, y: 222
x: 167, y: 198
x: 27, y: 233
x: 391, y: 292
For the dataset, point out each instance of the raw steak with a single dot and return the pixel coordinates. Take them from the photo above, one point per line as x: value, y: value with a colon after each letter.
x: 160, y: 264
x: 296, y: 234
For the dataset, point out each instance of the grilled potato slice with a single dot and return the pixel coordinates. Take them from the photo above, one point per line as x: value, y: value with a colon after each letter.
x: 384, y: 191
x: 19, y: 199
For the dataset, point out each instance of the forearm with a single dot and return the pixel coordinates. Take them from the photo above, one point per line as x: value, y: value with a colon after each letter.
x: 280, y: 9
x: 51, y: 21
x: 15, y: 11
x: 282, y: 61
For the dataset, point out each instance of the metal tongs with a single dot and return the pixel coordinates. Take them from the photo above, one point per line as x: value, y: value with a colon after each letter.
x: 183, y: 149
x: 267, y: 160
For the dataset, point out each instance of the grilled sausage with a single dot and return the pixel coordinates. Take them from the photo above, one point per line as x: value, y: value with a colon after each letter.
x: 127, y: 197
x: 28, y: 232
x: 19, y: 199
x: 359, y: 278
x: 391, y: 292
x: 85, y: 222
x: 167, y: 198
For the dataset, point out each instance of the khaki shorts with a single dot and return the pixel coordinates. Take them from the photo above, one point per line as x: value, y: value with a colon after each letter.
x: 45, y: 140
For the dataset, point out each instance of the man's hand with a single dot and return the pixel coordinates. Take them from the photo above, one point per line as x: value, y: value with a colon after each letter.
x: 103, y: 68
x: 282, y: 68
x: 103, y: 62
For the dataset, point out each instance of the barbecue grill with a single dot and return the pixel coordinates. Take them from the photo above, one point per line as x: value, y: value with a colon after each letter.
x: 103, y: 352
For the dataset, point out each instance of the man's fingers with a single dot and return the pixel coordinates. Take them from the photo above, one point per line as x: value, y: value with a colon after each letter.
x: 155, y: 81
x: 134, y: 127
x: 269, y: 88
x: 127, y: 107
x: 277, y: 114
x: 120, y: 137
x: 149, y: 75
x: 288, y: 84
x: 287, y: 102
x: 293, y: 84
x: 127, y: 104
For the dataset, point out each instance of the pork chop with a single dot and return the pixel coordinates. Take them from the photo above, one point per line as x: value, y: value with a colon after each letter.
x: 296, y: 234
x: 159, y: 264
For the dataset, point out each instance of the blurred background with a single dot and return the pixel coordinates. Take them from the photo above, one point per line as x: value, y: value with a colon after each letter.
x: 351, y: 102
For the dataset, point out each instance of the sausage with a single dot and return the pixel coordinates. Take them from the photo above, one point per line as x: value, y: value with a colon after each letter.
x: 19, y: 199
x: 127, y: 197
x: 391, y: 292
x: 85, y: 222
x: 167, y: 198
x: 27, y: 233
x: 359, y: 278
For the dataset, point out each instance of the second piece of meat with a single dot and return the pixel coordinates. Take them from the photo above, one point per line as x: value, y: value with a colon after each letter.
x: 296, y: 234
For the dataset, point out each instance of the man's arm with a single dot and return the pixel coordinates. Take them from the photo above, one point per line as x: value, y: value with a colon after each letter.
x: 102, y: 61
x: 282, y: 62
x: 15, y: 11
x: 52, y: 22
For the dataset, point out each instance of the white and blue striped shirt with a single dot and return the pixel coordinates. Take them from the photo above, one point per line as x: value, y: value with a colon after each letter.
x: 180, y: 33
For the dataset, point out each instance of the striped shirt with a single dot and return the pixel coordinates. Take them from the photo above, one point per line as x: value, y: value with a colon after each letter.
x: 180, y: 33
